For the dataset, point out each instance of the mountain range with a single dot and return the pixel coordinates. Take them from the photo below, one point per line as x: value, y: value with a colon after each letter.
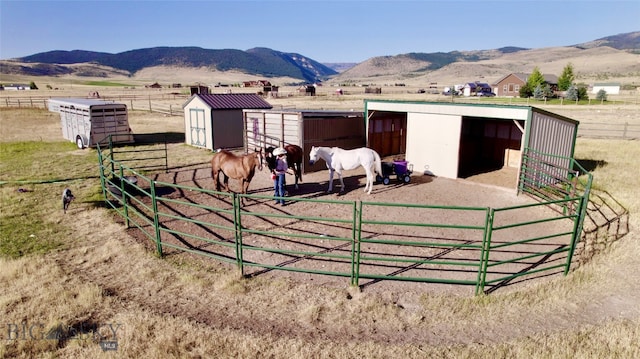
x: 275, y: 64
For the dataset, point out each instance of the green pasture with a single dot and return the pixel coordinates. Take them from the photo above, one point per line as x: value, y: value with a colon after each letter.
x: 32, y: 177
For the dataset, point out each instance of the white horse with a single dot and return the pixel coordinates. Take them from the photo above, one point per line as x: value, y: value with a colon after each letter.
x: 338, y: 159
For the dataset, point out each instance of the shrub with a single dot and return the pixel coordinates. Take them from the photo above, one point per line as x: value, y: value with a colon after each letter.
x: 572, y: 93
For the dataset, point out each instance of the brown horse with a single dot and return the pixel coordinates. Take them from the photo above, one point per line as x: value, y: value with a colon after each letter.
x: 295, y: 156
x: 237, y: 167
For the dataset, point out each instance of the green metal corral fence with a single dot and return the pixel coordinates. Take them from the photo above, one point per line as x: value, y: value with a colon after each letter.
x: 481, y: 247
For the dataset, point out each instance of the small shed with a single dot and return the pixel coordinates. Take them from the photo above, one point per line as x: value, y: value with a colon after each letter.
x: 455, y: 140
x: 214, y: 121
x: 90, y: 121
x: 305, y: 128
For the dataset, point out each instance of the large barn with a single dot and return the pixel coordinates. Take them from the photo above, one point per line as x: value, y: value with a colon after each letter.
x: 215, y: 120
x: 304, y: 128
x: 454, y: 140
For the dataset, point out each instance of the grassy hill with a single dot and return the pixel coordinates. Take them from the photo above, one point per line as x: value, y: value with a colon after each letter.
x: 613, y: 58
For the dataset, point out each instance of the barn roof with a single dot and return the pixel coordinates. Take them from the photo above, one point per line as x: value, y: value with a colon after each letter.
x: 232, y: 101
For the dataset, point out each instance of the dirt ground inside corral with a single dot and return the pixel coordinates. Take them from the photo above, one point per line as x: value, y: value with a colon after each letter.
x: 494, y: 189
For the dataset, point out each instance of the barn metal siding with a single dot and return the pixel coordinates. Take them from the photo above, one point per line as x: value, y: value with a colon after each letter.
x: 552, y: 135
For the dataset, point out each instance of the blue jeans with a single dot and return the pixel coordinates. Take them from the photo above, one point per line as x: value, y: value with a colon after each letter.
x: 278, y: 187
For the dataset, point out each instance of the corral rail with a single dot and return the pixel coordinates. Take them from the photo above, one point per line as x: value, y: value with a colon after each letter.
x: 484, y: 248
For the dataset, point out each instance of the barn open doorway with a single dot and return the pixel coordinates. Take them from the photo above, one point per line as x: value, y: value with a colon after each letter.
x: 489, y: 144
x: 388, y: 133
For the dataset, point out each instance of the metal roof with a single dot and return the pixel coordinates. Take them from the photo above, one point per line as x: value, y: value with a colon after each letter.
x: 81, y: 101
x: 232, y: 101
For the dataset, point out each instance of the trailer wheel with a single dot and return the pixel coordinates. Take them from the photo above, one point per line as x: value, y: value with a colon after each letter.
x: 407, y: 178
x: 386, y: 181
x: 79, y: 142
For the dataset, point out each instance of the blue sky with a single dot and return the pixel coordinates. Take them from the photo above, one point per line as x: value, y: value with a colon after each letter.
x: 325, y: 31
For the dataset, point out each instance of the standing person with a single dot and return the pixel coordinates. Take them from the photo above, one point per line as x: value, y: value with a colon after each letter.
x: 279, y: 171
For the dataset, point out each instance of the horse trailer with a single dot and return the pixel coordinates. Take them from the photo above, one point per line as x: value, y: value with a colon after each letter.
x: 88, y: 122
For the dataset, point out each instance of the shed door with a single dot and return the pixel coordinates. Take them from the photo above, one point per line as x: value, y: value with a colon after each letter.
x: 197, y: 127
x: 387, y: 134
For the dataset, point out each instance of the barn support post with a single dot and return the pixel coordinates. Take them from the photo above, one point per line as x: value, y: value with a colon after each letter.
x: 486, y: 250
x: 356, y: 235
x: 113, y: 160
x: 156, y: 220
x: 124, y: 196
x: 237, y: 225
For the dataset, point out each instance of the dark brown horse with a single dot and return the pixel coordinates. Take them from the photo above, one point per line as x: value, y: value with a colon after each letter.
x: 295, y: 156
x: 237, y: 167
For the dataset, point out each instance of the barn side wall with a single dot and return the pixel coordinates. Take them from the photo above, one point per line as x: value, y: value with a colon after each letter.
x: 554, y: 136
x: 226, y: 128
x: 433, y: 143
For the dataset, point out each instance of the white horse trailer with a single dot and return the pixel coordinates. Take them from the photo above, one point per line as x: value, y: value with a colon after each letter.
x: 88, y: 121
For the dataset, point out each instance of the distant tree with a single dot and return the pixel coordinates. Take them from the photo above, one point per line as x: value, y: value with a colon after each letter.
x: 572, y: 93
x: 526, y: 91
x: 601, y: 95
x: 33, y: 86
x: 566, y: 79
x: 535, y: 79
x: 582, y: 93
x: 547, y: 92
x: 537, y: 93
x: 542, y: 92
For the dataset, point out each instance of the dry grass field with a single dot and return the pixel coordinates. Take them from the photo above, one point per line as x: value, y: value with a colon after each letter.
x: 73, y: 280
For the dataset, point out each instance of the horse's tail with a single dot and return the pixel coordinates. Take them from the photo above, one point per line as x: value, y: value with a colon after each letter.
x: 378, y: 163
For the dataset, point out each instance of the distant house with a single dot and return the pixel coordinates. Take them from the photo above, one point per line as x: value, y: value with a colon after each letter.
x: 256, y: 83
x: 154, y: 85
x: 611, y: 88
x: 509, y: 86
x: 307, y: 90
x: 473, y: 88
x: 215, y: 121
x: 199, y: 89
